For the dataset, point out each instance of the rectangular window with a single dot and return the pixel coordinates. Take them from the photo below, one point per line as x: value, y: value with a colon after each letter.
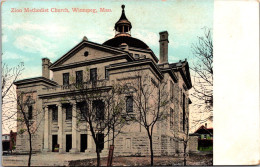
x: 106, y: 73
x: 55, y: 113
x: 30, y: 112
x: 129, y: 104
x: 183, y: 109
x: 98, y: 107
x: 79, y: 77
x: 171, y: 117
x: 93, y: 76
x: 68, y: 112
x: 128, y: 143
x: 82, y: 107
x: 66, y: 79
x: 171, y: 90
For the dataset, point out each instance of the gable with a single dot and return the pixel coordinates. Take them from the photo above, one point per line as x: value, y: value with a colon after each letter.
x: 95, y: 51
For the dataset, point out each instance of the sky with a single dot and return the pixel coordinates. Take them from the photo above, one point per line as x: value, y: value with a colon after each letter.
x: 28, y: 37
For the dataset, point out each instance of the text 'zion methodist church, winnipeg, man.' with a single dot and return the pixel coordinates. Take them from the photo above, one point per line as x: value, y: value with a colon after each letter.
x: 57, y: 10
x: 52, y: 106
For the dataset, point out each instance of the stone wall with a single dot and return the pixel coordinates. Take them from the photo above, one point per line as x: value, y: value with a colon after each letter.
x: 137, y: 144
x: 22, y: 143
x: 193, y: 144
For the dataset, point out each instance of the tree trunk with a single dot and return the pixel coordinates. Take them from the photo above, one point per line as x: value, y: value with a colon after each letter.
x: 98, y: 155
x: 151, y: 147
x: 185, y: 156
x: 30, y: 152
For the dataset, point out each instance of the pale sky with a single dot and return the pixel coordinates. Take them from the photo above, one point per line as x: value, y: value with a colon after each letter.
x: 28, y: 37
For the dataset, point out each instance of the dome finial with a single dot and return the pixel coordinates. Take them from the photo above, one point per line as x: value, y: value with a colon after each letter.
x: 123, y: 7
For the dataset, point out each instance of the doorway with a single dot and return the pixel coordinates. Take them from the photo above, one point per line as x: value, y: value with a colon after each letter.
x: 83, y: 142
x: 54, y: 141
x: 68, y: 142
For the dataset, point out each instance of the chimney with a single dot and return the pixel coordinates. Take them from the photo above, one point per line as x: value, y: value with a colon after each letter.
x: 163, y: 47
x: 45, y: 68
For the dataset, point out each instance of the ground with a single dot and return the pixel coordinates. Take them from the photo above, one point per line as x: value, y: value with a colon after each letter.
x: 198, y: 160
x: 55, y: 159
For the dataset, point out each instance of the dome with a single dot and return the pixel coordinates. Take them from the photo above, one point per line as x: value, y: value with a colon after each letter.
x: 123, y: 34
x: 130, y: 41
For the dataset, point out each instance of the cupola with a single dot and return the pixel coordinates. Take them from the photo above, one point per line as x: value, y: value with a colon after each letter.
x: 123, y: 26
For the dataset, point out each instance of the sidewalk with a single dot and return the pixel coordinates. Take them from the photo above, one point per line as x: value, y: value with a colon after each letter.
x: 45, y: 159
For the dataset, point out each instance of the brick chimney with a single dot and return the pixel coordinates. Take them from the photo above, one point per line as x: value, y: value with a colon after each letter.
x: 45, y: 68
x: 163, y: 47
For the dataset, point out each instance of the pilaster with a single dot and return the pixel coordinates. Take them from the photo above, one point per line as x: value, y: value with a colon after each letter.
x: 91, y: 144
x: 74, y: 148
x: 46, y: 129
x: 60, y: 131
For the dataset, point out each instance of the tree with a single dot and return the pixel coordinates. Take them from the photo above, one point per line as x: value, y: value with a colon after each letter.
x: 150, y: 99
x: 184, y: 139
x: 203, y: 72
x: 9, y: 75
x: 101, y: 108
x: 28, y: 116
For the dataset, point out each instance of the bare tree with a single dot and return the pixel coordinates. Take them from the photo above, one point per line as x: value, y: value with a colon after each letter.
x: 184, y: 139
x: 150, y: 99
x: 203, y: 73
x: 28, y: 116
x: 101, y: 108
x: 9, y: 75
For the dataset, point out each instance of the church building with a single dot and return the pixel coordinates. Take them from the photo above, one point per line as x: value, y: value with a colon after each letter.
x: 113, y: 61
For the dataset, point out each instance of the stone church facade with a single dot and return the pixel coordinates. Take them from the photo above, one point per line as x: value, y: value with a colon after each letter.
x: 116, y: 59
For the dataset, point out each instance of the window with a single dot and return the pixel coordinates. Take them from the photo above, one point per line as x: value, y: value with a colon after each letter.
x: 154, y: 83
x: 171, y: 90
x: 83, y: 109
x: 129, y: 104
x: 93, y: 76
x: 98, y: 106
x: 86, y: 53
x: 65, y: 78
x: 68, y: 112
x: 171, y: 117
x: 55, y: 113
x: 202, y: 136
x: 106, y: 73
x: 183, y: 109
x: 79, y: 77
x: 128, y: 143
x: 30, y: 111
